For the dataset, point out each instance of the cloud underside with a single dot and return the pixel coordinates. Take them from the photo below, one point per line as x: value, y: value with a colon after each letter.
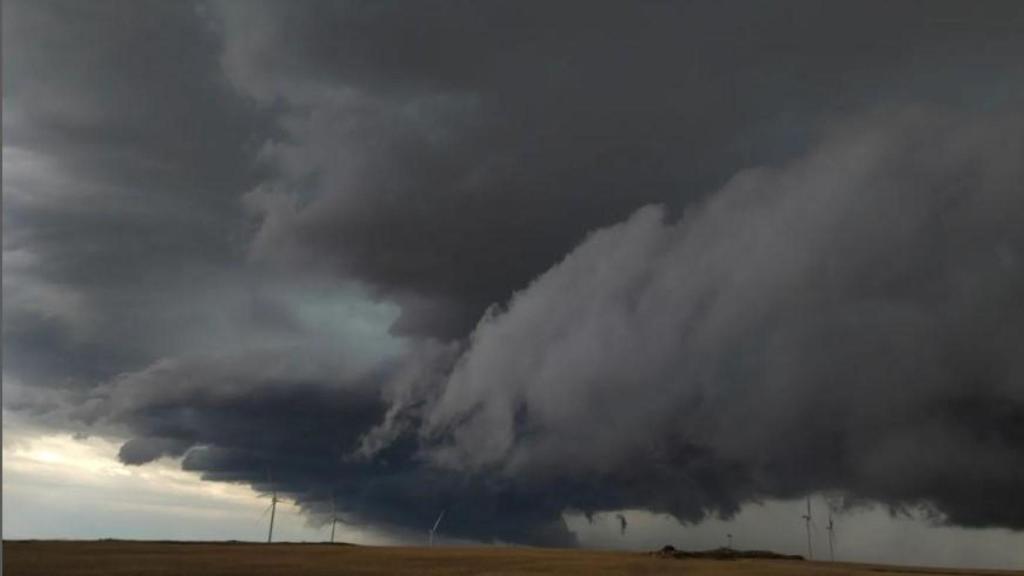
x: 664, y: 257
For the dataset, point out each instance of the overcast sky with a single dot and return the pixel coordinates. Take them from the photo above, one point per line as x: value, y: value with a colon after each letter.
x: 689, y: 263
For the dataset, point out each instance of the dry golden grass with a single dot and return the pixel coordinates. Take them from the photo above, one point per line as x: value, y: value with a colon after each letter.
x: 114, y: 558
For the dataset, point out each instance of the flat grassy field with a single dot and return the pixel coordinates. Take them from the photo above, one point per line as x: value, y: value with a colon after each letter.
x: 112, y: 558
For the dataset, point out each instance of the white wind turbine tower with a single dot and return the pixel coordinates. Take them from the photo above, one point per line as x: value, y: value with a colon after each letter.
x: 831, y: 537
x: 273, y: 511
x: 334, y: 516
x: 807, y: 521
x: 430, y: 541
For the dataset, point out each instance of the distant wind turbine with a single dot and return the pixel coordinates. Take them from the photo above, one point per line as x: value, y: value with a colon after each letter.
x: 273, y: 511
x: 831, y: 537
x: 334, y: 516
x: 434, y: 529
x: 807, y: 521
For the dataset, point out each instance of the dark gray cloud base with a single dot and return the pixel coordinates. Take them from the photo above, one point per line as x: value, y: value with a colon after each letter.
x: 671, y: 256
x: 850, y: 321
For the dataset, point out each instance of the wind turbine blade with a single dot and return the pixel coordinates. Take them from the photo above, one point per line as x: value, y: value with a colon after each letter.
x: 265, y: 512
x: 438, y: 522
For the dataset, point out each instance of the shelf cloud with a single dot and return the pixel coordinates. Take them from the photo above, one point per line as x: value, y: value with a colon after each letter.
x: 674, y: 257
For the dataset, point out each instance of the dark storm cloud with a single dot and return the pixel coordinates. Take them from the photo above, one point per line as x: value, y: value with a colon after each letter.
x: 432, y: 140
x: 806, y: 327
x: 280, y: 424
x: 852, y: 320
x: 124, y: 152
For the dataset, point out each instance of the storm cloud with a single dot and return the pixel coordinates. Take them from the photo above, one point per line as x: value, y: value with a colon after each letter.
x: 507, y: 263
x: 807, y: 328
x: 431, y: 140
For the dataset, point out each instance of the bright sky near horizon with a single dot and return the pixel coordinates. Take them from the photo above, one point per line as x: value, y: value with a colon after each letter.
x: 58, y: 486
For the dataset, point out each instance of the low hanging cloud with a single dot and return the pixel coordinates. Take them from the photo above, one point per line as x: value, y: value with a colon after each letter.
x: 850, y: 321
x: 808, y: 328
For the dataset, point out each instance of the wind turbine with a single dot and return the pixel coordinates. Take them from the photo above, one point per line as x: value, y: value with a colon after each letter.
x: 434, y: 529
x: 807, y: 521
x: 729, y: 536
x: 334, y: 516
x: 272, y: 508
x: 831, y: 537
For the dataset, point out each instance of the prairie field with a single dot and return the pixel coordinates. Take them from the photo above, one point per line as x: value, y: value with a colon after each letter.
x: 95, y: 558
